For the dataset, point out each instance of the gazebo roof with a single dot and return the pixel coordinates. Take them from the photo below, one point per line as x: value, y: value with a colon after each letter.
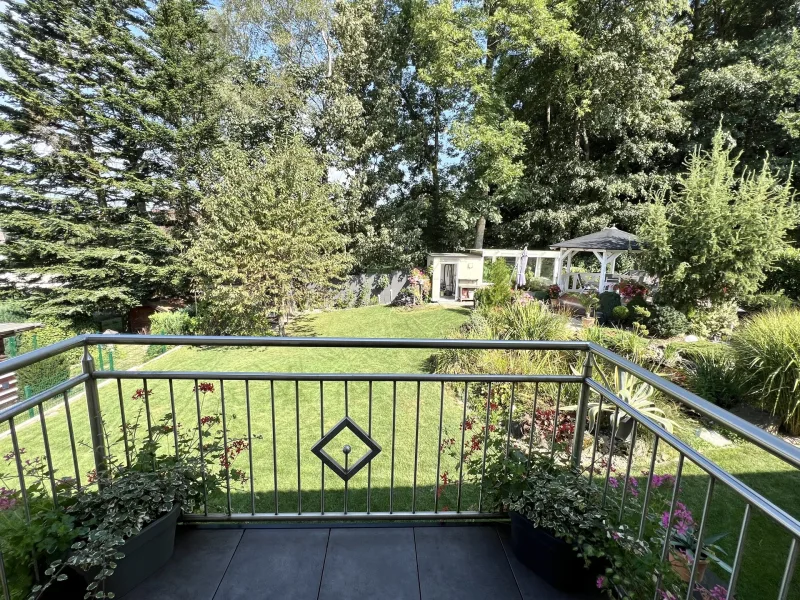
x: 609, y: 238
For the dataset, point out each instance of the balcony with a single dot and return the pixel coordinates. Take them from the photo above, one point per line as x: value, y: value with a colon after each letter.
x: 356, y: 485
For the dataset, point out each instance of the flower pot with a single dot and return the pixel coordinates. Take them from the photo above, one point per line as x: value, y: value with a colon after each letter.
x: 144, y: 554
x: 588, y: 322
x: 552, y: 558
x: 683, y: 568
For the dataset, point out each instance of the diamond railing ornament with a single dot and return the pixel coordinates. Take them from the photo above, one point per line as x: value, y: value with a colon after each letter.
x: 346, y: 472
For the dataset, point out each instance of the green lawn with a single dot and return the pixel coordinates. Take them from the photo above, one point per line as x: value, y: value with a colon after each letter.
x: 766, y: 547
x: 365, y: 322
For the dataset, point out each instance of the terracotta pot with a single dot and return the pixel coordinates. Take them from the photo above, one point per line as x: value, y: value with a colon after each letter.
x: 588, y: 322
x: 683, y: 568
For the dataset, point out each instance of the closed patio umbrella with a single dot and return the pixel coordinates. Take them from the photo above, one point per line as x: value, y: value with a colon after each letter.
x: 522, y: 264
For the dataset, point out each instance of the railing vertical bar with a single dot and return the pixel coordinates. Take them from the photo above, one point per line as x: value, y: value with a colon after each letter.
x: 737, y: 559
x: 297, y: 429
x: 461, y: 451
x: 274, y: 446
x: 321, y: 434
x: 72, y: 441
x: 668, y: 532
x: 646, y: 500
x: 226, y: 450
x: 626, y: 483
x: 700, y: 536
x: 555, y: 423
x: 416, y: 453
x: 124, y: 423
x: 394, y: 430
x: 174, y: 417
x: 596, y: 436
x: 23, y: 490
x: 369, y: 465
x: 346, y: 400
x: 510, y: 413
x: 786, y: 582
x: 438, y: 452
x: 533, y: 420
x: 200, y: 445
x: 48, y: 456
x: 147, y: 412
x: 346, y: 466
x: 485, y: 445
x: 4, y: 579
x: 610, y: 453
x: 249, y: 445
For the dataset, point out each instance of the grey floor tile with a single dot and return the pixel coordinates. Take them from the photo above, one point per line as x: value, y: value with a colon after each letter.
x: 370, y: 563
x: 463, y: 563
x: 531, y: 586
x: 284, y: 564
x: 195, y: 570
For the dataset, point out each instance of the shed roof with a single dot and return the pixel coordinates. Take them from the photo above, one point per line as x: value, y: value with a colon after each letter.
x: 609, y: 238
x: 9, y: 329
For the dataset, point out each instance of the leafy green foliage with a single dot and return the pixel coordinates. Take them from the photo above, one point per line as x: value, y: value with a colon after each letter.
x: 713, y: 375
x: 765, y: 301
x: 715, y: 321
x: 608, y: 302
x: 785, y: 274
x: 268, y: 244
x: 716, y: 236
x: 767, y: 350
x: 499, y: 293
x: 666, y: 321
x: 175, y: 322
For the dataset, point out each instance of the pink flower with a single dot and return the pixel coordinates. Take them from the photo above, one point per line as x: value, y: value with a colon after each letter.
x: 613, y: 482
x: 601, y: 581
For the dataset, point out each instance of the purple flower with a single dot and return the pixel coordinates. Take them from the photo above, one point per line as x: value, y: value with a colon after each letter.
x: 612, y: 481
x: 601, y: 581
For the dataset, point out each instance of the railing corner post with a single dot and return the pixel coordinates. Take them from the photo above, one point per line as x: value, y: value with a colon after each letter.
x: 582, y: 412
x: 95, y: 417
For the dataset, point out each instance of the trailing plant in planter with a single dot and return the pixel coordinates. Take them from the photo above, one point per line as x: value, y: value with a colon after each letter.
x: 136, y: 490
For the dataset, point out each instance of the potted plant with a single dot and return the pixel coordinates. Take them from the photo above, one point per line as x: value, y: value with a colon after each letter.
x: 589, y: 301
x: 126, y: 523
x: 554, y: 293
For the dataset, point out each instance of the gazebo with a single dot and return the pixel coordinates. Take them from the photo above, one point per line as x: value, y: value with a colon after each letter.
x: 607, y: 245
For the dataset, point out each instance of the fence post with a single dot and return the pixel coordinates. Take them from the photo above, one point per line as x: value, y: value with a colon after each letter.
x: 95, y: 418
x: 100, y: 356
x: 27, y: 392
x: 582, y: 412
x: 110, y: 360
x: 12, y: 346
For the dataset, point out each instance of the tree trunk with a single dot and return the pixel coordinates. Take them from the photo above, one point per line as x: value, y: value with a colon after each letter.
x: 480, y: 228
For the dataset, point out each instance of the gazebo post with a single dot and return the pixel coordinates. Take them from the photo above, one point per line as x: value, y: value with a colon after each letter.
x: 568, y: 274
x: 603, y: 268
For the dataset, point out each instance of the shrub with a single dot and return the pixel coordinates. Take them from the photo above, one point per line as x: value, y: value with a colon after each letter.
x: 608, y: 302
x: 713, y: 375
x: 767, y: 351
x: 531, y: 321
x: 499, y: 293
x: 382, y: 282
x: 536, y: 284
x: 176, y: 322
x: 629, y: 344
x: 716, y: 236
x: 765, y: 301
x: 667, y: 322
x: 714, y: 321
x: 408, y: 296
x: 542, y: 295
x: 620, y: 314
x: 363, y: 296
x: 785, y: 274
x: 12, y: 312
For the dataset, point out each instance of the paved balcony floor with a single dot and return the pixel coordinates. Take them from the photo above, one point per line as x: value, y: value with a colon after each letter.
x: 386, y: 563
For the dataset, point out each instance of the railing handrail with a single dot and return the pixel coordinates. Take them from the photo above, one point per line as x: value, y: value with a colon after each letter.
x: 766, y: 441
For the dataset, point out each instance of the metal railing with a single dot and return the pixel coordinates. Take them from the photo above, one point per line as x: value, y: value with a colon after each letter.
x: 287, y: 421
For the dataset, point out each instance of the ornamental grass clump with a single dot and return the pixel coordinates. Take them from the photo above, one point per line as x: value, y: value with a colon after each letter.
x: 767, y: 350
